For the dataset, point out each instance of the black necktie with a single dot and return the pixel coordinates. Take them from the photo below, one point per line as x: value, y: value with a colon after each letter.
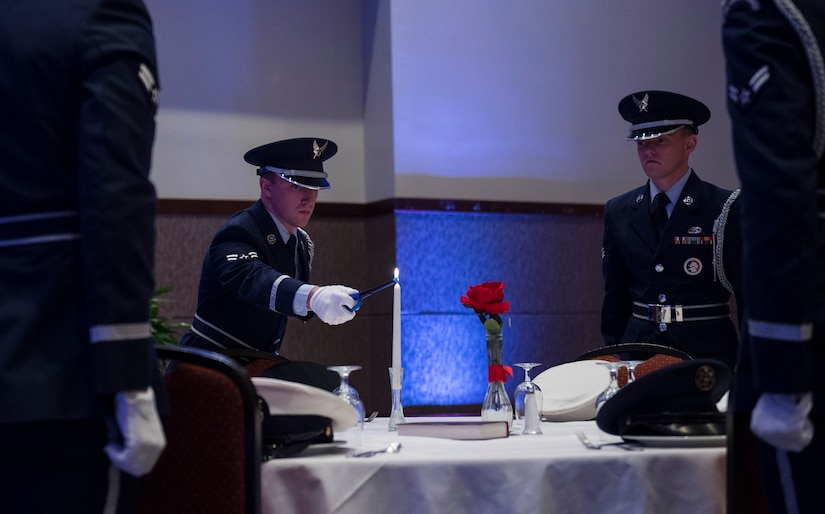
x: 290, y: 247
x: 659, y: 213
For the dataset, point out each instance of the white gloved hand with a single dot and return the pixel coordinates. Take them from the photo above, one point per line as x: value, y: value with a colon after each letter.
x: 328, y: 303
x: 143, y: 437
x: 781, y: 420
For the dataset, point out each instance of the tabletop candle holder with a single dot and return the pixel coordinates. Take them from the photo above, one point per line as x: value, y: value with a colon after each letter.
x: 397, y: 412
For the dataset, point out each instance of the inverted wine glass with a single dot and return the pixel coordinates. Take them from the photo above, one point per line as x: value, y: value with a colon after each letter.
x: 348, y: 394
x: 631, y: 369
x: 613, y: 386
x: 528, y: 403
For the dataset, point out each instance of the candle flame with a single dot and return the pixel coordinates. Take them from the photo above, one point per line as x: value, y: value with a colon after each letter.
x: 395, y: 276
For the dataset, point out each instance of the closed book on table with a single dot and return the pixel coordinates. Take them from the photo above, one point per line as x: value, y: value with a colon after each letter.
x: 465, y: 430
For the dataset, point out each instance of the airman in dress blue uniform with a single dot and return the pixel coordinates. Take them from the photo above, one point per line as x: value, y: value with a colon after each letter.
x: 670, y: 287
x: 256, y: 272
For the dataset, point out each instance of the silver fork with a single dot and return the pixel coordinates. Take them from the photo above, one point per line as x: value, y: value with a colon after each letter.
x: 392, y: 448
x: 593, y: 446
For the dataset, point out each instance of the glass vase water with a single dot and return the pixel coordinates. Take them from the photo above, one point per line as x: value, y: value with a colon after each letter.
x: 496, y: 405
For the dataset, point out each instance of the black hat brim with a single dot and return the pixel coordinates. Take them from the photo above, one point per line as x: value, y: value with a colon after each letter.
x: 679, y: 399
x: 309, y: 183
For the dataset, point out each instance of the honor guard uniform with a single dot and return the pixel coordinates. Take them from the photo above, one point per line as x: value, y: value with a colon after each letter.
x: 255, y: 274
x: 670, y: 284
x: 776, y: 100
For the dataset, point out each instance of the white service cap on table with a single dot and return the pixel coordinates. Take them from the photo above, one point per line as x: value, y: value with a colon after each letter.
x: 569, y: 391
x: 293, y: 398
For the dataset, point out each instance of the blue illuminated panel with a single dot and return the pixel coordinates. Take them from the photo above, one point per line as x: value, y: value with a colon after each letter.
x: 552, y: 269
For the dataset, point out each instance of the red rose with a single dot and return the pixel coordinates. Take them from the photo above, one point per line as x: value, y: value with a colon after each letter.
x: 486, y: 298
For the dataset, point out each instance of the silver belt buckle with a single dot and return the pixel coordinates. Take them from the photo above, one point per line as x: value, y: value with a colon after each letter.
x: 664, y: 313
x: 658, y: 312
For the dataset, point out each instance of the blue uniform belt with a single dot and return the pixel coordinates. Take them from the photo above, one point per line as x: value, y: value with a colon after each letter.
x: 663, y: 313
x: 42, y: 227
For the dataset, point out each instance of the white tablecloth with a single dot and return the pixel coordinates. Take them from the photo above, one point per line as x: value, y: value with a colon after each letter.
x: 549, y: 473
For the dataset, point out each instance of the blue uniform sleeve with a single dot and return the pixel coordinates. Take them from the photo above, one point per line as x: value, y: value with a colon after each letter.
x: 617, y: 302
x: 237, y: 257
x: 115, y: 134
x: 771, y: 101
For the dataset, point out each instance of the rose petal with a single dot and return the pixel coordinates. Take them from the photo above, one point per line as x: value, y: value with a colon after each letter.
x: 486, y: 298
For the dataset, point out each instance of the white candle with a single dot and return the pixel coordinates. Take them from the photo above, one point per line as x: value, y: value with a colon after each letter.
x: 396, y: 323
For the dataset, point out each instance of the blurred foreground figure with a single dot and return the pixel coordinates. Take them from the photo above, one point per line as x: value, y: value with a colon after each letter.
x: 78, y: 97
x: 776, y: 100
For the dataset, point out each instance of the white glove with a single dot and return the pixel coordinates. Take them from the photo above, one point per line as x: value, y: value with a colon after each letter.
x: 143, y: 438
x: 781, y: 420
x: 328, y: 303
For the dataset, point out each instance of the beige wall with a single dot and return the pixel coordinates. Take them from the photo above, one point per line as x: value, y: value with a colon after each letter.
x: 425, y: 96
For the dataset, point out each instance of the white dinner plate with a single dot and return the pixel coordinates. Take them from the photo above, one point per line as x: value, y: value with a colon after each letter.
x: 569, y: 390
x: 671, y: 441
x: 293, y: 398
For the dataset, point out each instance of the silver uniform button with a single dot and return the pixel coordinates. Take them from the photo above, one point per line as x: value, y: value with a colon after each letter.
x: 662, y: 327
x: 659, y: 268
x: 662, y: 298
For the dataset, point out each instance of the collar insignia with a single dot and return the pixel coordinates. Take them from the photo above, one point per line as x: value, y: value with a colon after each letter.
x: 688, y: 200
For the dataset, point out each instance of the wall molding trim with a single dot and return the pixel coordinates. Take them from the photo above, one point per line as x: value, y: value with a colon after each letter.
x: 382, y: 207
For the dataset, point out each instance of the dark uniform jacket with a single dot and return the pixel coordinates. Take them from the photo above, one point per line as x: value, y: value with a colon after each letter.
x: 776, y: 78
x: 77, y: 227
x: 248, y: 284
x: 640, y: 271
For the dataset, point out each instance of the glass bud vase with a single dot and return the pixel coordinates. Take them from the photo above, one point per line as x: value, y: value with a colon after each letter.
x: 496, y: 405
